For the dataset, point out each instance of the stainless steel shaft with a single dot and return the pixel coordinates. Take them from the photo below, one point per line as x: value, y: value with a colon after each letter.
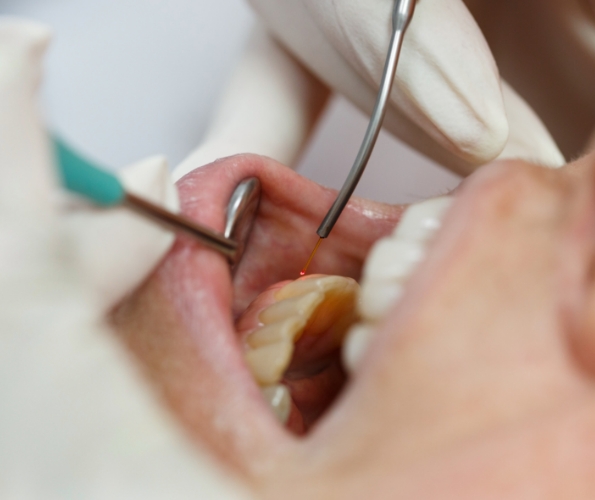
x: 182, y: 224
x: 402, y: 14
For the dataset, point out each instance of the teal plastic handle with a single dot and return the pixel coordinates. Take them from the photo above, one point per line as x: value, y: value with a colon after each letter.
x: 82, y: 177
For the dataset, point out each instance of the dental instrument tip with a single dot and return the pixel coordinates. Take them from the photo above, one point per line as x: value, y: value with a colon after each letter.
x: 402, y: 14
x: 305, y: 269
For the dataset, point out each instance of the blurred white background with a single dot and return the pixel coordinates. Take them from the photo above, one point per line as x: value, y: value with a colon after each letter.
x: 126, y: 79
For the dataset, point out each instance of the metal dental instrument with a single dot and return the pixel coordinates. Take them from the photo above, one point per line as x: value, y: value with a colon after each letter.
x: 241, y: 212
x: 105, y: 189
x: 402, y: 15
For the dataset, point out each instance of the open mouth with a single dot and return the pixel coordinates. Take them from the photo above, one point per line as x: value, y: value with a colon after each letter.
x: 249, y: 362
x: 267, y: 371
x: 294, y: 332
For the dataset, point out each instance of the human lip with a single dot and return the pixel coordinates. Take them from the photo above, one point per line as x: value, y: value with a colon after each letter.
x: 182, y: 322
x: 215, y: 395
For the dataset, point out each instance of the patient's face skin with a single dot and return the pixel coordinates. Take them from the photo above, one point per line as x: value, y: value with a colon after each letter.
x: 478, y: 384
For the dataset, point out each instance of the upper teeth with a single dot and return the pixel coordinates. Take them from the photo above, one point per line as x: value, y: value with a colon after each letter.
x: 389, y: 265
x: 421, y: 221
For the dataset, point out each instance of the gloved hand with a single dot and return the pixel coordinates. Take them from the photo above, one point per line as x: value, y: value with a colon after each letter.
x: 75, y: 414
x: 117, y: 249
x: 448, y: 100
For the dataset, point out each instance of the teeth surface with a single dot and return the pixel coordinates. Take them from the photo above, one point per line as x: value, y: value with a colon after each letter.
x: 279, y: 399
x: 288, y: 330
x: 302, y: 306
x: 393, y: 259
x: 378, y: 298
x: 388, y: 267
x: 267, y: 363
x: 324, y: 284
x: 314, y: 305
x: 421, y: 221
x: 355, y: 345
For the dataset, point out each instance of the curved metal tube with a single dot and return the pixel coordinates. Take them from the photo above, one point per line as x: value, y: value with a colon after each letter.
x: 402, y: 14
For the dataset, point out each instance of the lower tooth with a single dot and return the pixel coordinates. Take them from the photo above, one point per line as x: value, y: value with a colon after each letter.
x: 277, y: 396
x: 288, y: 330
x: 318, y: 305
x: 315, y: 283
x: 269, y: 362
x: 303, y: 306
x: 355, y: 346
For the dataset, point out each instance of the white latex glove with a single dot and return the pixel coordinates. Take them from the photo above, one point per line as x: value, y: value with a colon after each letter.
x: 77, y: 421
x: 117, y: 249
x: 447, y: 101
x: 269, y: 108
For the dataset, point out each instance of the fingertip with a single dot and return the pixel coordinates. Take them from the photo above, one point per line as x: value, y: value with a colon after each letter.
x: 25, y: 157
x: 529, y: 138
x: 451, y: 82
x: 30, y: 35
x: 482, y: 138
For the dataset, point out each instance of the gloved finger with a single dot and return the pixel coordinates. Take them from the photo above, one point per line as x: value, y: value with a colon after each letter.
x: 117, y: 248
x: 269, y: 108
x: 447, y: 83
x: 31, y: 256
x: 69, y: 394
x: 26, y: 180
x: 529, y: 139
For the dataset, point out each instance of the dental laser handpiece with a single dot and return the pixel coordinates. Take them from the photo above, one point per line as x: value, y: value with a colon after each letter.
x: 105, y: 189
x: 402, y: 15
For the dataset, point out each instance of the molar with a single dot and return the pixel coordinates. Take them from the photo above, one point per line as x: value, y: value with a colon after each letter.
x: 279, y: 399
x: 315, y: 304
x: 286, y: 330
x: 267, y: 363
x: 303, y: 305
x: 314, y: 283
